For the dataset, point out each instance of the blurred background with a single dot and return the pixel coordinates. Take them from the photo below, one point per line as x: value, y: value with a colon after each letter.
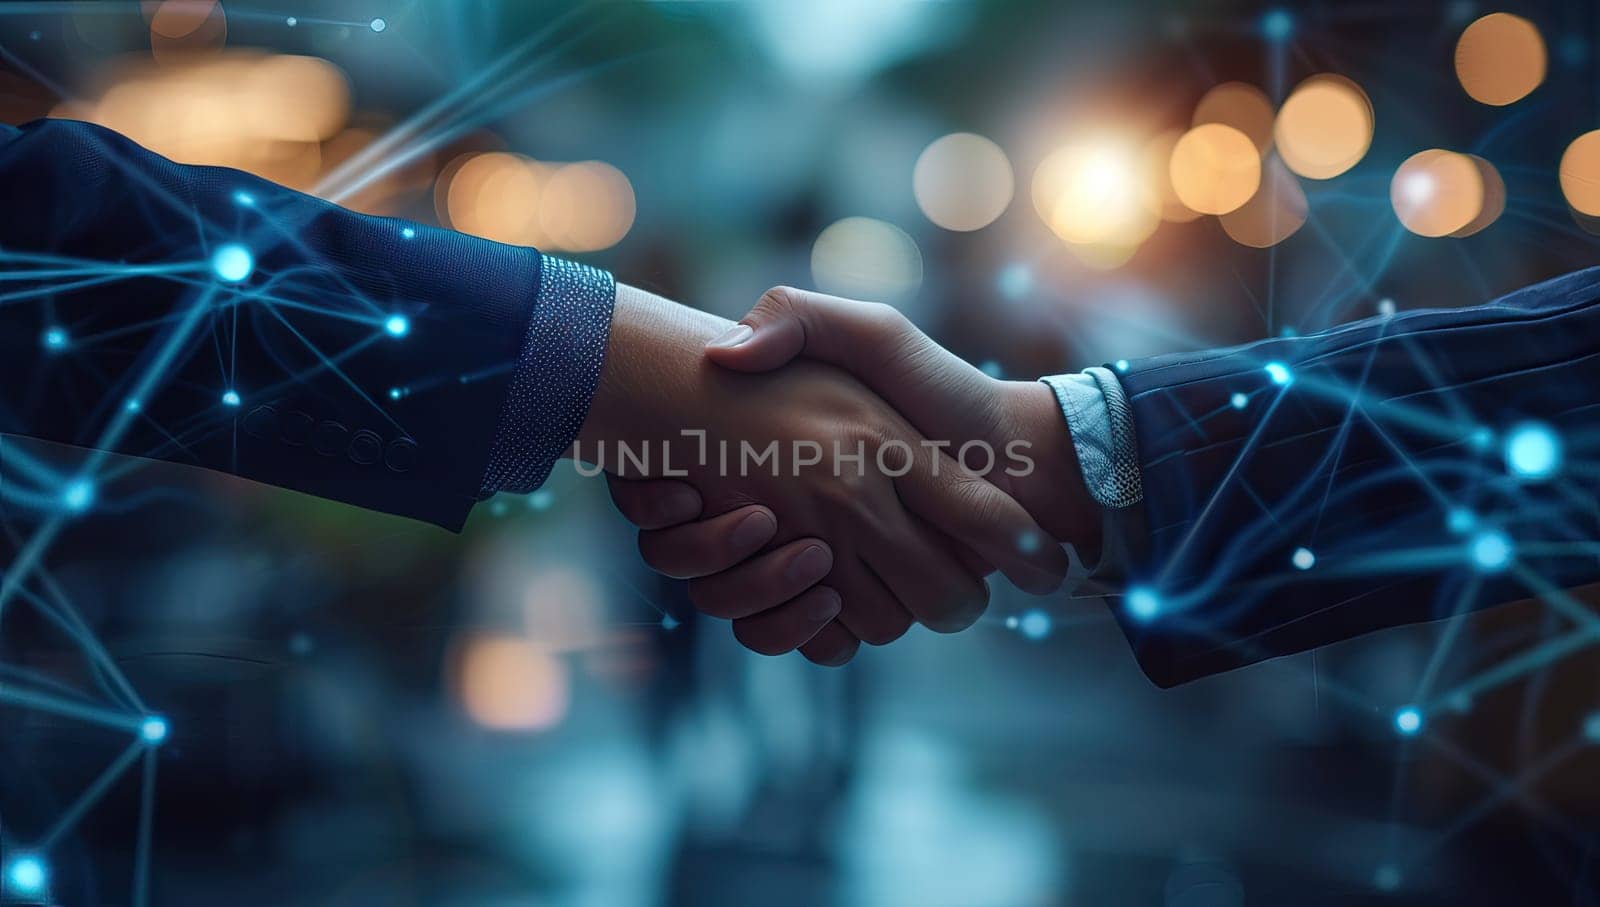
x: 365, y: 711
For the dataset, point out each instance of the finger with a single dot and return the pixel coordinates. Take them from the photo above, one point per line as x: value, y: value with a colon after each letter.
x: 983, y: 518
x: 790, y: 625
x: 763, y: 582
x: 708, y: 546
x: 870, y: 340
x: 654, y: 503
x: 870, y: 612
x: 923, y: 571
x: 832, y: 646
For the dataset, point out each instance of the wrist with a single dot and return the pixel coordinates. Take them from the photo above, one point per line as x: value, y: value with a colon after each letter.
x: 1052, y: 490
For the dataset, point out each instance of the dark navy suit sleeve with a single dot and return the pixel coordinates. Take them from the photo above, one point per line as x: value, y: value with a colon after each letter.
x: 205, y: 316
x: 1381, y: 449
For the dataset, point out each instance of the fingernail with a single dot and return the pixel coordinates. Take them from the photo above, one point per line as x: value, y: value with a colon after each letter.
x: 753, y: 531
x: 679, y: 506
x: 825, y: 606
x: 810, y: 565
x: 733, y: 337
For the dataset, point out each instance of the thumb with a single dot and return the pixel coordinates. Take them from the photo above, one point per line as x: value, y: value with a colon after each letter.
x: 771, y: 335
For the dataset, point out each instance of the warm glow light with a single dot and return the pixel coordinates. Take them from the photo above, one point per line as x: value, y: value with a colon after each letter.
x: 1215, y: 168
x: 1093, y: 193
x: 864, y: 258
x: 508, y: 683
x: 1580, y: 174
x: 183, y: 29
x: 1244, y: 107
x: 1436, y: 192
x: 1273, y: 214
x: 1500, y: 58
x: 1494, y: 197
x: 963, y: 181
x: 585, y: 207
x: 1325, y: 127
x: 496, y: 196
x: 1157, y: 165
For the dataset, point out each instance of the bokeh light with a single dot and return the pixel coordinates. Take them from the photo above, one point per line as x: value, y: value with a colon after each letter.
x: 1580, y: 174
x: 508, y: 683
x: 1215, y: 168
x: 862, y: 258
x: 1157, y: 169
x: 585, y: 207
x: 1324, y: 127
x: 1273, y: 214
x: 180, y: 30
x: 1437, y: 192
x: 1500, y: 58
x: 1242, y: 106
x: 963, y: 182
x: 1092, y: 194
x: 1494, y: 197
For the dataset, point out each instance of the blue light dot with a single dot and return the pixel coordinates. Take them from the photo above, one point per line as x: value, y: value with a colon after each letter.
x: 1408, y: 720
x: 408, y: 233
x: 1016, y: 280
x: 1303, y: 559
x: 1288, y: 331
x: 541, y: 500
x: 1491, y: 551
x: 1591, y: 727
x: 1481, y: 438
x: 395, y: 393
x: 397, y: 325
x: 230, y: 398
x: 1387, y: 878
x: 1011, y: 622
x: 291, y: 22
x: 55, y: 338
x: 1034, y: 624
x: 669, y: 623
x: 379, y: 25
x: 26, y: 875
x: 232, y: 262
x: 1239, y: 401
x: 153, y: 729
x: 1279, y: 373
x: 244, y: 198
x: 991, y: 368
x: 133, y: 406
x: 1142, y: 603
x: 1460, y: 520
x: 1386, y: 307
x: 78, y: 496
x: 1277, y: 25
x: 1121, y: 364
x: 1533, y: 452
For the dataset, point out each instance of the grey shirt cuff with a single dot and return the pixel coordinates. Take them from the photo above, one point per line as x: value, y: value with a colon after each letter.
x: 555, y: 377
x: 1101, y: 425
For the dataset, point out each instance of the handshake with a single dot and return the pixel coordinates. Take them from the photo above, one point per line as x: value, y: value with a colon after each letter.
x: 824, y: 474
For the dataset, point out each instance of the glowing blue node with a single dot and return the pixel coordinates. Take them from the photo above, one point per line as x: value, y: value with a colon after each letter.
x: 1016, y: 280
x: 1288, y: 331
x: 1591, y: 727
x: 1481, y: 438
x: 1460, y: 520
x: 153, y: 729
x: 1387, y: 878
x: 379, y: 25
x: 1277, y: 25
x: 1121, y: 364
x: 1491, y: 551
x: 1238, y: 401
x: 1386, y: 307
x: 395, y: 393
x: 397, y: 325
x: 668, y: 622
x: 77, y: 496
x: 230, y: 398
x: 133, y: 406
x: 1011, y: 622
x: 541, y: 500
x: 1279, y: 373
x: 291, y: 22
x: 1408, y: 720
x: 1142, y: 603
x: 1533, y: 452
x: 232, y: 263
x: 1034, y: 624
x: 55, y: 338
x: 244, y: 198
x: 1303, y: 559
x: 408, y: 233
x: 26, y: 875
x: 990, y: 368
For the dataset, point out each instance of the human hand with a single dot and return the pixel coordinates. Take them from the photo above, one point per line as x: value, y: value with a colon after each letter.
x: 893, y: 547
x: 942, y: 395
